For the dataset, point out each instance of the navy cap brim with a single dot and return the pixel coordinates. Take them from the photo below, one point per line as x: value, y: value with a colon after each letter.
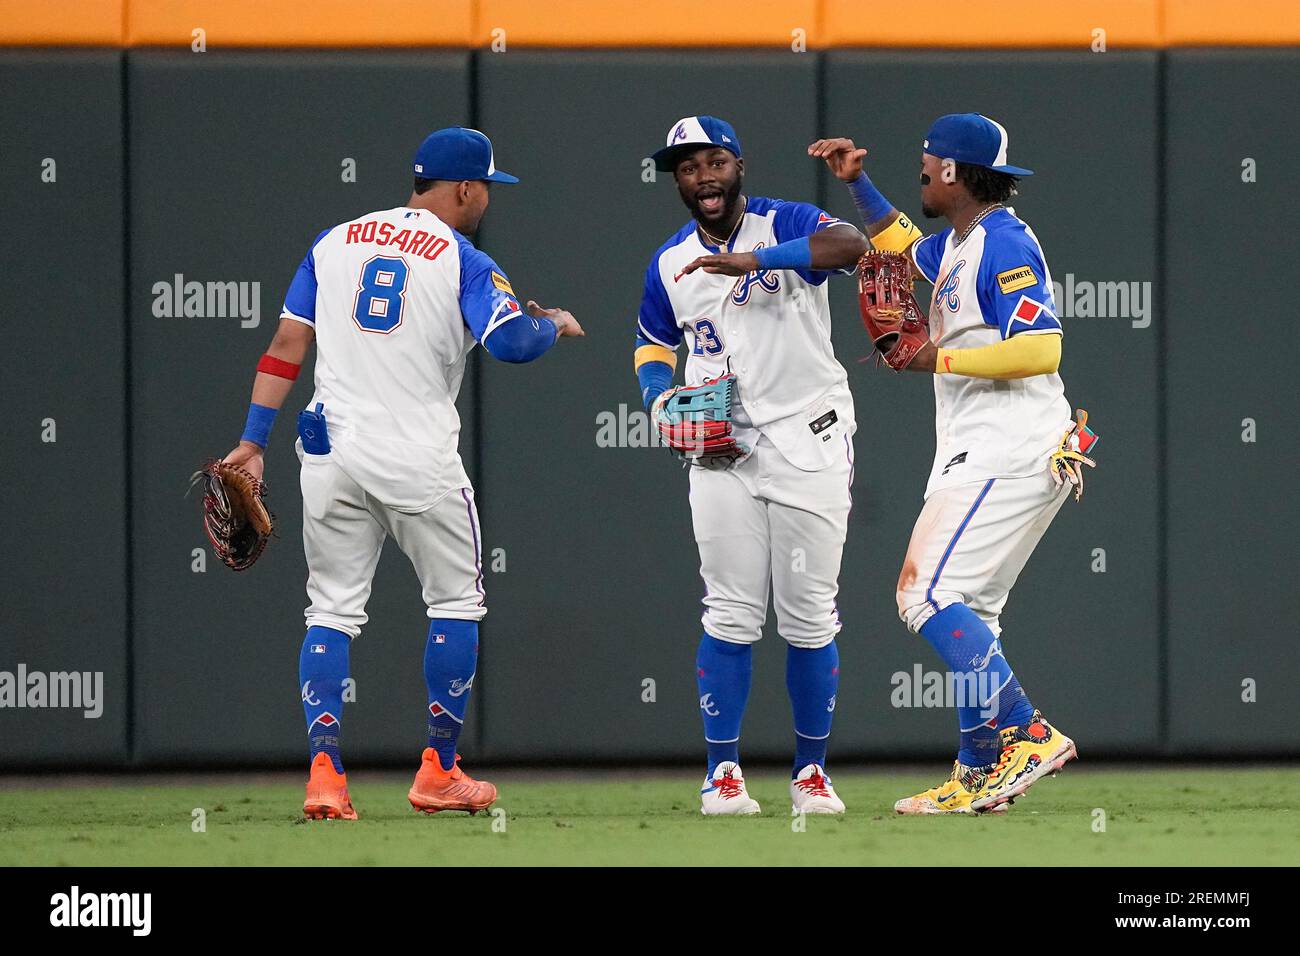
x: 666, y: 159
x: 500, y: 177
x: 1013, y: 170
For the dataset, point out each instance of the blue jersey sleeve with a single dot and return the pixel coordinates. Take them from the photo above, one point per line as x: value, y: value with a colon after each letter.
x: 797, y: 219
x: 1013, y: 291
x: 300, y: 300
x: 927, y: 253
x: 794, y: 220
x: 656, y: 322
x: 492, y: 313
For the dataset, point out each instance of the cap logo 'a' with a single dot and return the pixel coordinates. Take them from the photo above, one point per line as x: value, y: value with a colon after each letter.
x: 678, y: 133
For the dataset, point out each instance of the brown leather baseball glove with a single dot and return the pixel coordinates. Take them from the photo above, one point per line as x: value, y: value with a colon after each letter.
x: 897, y: 325
x: 234, y: 513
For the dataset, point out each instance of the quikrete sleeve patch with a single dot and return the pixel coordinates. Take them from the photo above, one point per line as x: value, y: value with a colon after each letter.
x: 1013, y: 280
x: 502, y: 283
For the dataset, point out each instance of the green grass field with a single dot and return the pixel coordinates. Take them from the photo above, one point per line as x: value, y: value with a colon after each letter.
x: 1201, y: 816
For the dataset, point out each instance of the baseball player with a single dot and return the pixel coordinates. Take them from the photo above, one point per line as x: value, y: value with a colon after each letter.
x: 395, y: 300
x: 742, y: 285
x: 1001, y: 469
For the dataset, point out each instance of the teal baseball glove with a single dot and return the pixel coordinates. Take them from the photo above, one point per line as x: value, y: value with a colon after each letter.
x: 695, y: 422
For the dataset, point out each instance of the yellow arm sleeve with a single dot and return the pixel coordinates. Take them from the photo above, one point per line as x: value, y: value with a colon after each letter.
x: 1017, y: 357
x: 654, y: 353
x: 898, y: 236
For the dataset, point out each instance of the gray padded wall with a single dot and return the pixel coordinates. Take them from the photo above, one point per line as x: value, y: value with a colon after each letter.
x: 235, y: 168
x: 64, y: 592
x: 1080, y: 642
x: 1232, y: 516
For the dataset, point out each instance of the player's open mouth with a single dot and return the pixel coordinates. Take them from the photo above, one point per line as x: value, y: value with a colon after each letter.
x: 710, y: 203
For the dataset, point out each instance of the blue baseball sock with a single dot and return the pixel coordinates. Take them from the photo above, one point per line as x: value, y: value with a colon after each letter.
x: 724, y: 670
x: 450, y: 659
x: 812, y: 676
x: 988, y: 692
x: 322, y: 668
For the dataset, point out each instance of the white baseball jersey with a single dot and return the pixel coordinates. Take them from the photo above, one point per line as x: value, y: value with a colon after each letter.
x: 398, y: 298
x: 992, y: 286
x: 786, y: 505
x: 771, y: 328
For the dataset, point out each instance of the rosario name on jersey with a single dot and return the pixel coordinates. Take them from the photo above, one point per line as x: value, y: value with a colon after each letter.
x: 398, y: 298
x: 992, y: 286
x: 771, y: 328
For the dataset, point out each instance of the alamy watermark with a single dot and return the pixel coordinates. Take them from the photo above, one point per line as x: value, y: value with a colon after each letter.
x: 180, y: 299
x: 1086, y: 299
x: 76, y: 690
x: 626, y: 428
x: 922, y: 688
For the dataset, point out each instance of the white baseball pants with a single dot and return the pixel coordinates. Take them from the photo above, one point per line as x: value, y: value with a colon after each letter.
x: 344, y: 529
x: 765, y: 527
x: 971, y: 542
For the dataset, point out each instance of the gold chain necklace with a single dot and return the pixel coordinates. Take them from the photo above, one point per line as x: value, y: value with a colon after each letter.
x: 977, y: 220
x: 720, y: 243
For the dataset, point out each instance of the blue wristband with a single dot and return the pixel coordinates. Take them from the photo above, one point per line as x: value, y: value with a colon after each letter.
x: 258, y: 427
x: 868, y: 199
x: 795, y: 254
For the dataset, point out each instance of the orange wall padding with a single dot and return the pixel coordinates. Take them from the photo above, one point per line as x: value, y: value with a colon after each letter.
x: 669, y: 23
x: 309, y: 23
x: 1223, y: 23
x: 1066, y: 24
x: 992, y: 23
x: 61, y: 23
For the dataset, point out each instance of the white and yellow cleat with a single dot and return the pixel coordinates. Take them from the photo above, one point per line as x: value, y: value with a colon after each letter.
x: 811, y: 792
x: 954, y: 795
x: 724, y: 793
x: 1029, y: 752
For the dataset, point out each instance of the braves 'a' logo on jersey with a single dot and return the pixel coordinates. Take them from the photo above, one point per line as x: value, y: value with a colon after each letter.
x: 946, y: 293
x: 769, y: 282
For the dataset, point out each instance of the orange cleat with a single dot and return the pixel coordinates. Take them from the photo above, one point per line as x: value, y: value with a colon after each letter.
x: 437, y: 789
x: 327, y: 792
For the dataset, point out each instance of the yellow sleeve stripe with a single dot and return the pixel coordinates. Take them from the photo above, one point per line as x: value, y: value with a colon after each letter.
x: 898, y: 236
x: 654, y: 353
x: 1017, y: 357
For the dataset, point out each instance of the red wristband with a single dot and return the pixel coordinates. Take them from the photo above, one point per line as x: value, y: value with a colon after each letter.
x: 274, y: 366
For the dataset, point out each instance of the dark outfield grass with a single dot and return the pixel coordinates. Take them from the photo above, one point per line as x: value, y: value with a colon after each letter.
x: 1198, y: 816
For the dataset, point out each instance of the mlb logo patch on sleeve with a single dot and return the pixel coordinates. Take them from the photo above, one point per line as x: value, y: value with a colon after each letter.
x: 1021, y: 277
x: 502, y: 283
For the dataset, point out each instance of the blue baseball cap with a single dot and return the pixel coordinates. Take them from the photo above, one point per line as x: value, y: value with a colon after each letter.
x: 973, y: 139
x: 695, y: 132
x: 457, y: 153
